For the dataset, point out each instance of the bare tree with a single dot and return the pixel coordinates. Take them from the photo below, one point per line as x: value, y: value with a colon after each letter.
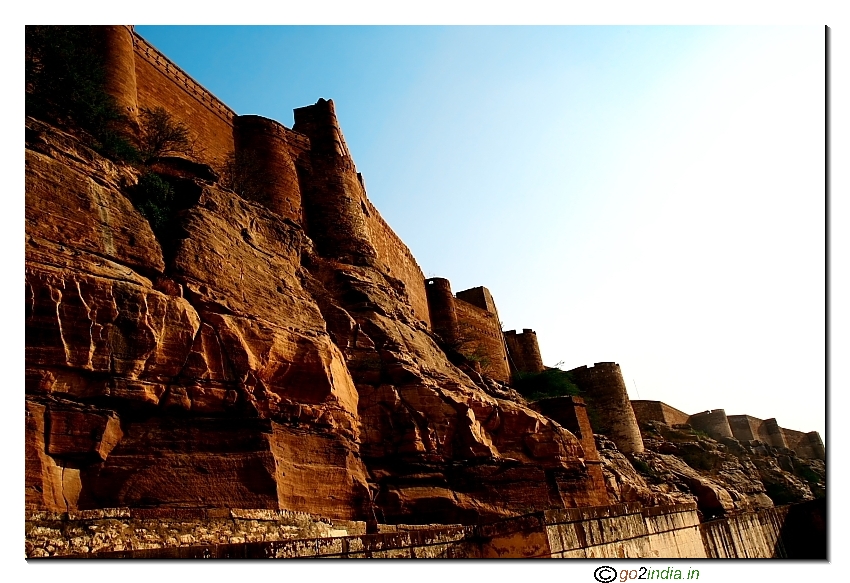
x: 161, y: 135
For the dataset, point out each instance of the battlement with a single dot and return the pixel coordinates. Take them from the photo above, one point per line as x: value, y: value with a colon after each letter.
x: 479, y: 297
x: 646, y: 411
x: 604, y: 389
x: 524, y: 351
x: 319, y: 122
x: 713, y: 422
x: 167, y: 67
x: 473, y: 329
x: 745, y: 428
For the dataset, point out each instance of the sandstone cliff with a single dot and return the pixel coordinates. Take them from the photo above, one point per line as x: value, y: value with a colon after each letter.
x: 229, y: 364
x: 681, y: 465
x: 230, y: 361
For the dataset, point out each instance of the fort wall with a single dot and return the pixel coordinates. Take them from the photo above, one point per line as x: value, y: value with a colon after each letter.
x: 524, y: 351
x: 658, y: 411
x: 161, y: 83
x: 396, y: 259
x: 604, y: 390
x: 771, y: 434
x: 714, y: 423
x: 480, y: 336
x: 616, y: 531
x: 119, y: 58
x: 332, y: 193
x: 479, y: 297
x: 272, y: 151
x: 442, y: 309
x: 811, y: 446
x: 744, y: 427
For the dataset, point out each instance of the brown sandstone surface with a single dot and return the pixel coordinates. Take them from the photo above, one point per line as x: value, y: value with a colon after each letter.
x: 681, y: 465
x: 230, y: 365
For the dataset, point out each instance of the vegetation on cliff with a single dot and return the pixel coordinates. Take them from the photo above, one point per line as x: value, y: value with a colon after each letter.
x: 65, y: 85
x: 552, y: 382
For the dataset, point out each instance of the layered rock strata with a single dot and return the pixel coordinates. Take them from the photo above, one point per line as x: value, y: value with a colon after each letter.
x: 231, y: 363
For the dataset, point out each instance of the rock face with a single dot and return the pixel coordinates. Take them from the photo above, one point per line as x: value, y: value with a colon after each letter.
x: 683, y: 465
x: 230, y: 364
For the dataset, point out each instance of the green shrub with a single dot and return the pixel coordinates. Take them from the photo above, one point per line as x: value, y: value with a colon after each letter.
x: 552, y: 382
x: 154, y: 197
x: 65, y: 85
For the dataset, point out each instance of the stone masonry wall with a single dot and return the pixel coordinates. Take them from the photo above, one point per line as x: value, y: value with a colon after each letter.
x: 124, y: 529
x: 746, y: 536
x: 744, y: 427
x: 609, y: 408
x: 625, y: 531
x: 270, y: 150
x: 714, y: 423
x: 524, y: 351
x: 480, y: 335
x: 397, y: 259
x: 615, y: 531
x: 658, y: 411
x: 161, y: 83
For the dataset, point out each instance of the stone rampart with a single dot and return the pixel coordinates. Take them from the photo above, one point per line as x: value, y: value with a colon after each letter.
x: 480, y: 338
x: 615, y: 531
x: 272, y: 151
x: 744, y: 427
x: 610, y: 410
x: 713, y: 422
x: 658, y: 411
x: 442, y: 310
x: 397, y: 260
x: 524, y: 351
x: 161, y: 83
x: 748, y: 428
x: 811, y: 446
x: 771, y: 433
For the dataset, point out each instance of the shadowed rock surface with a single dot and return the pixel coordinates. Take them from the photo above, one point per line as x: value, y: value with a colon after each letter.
x: 239, y: 368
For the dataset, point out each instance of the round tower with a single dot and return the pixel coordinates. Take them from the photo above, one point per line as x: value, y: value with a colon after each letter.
x: 119, y: 62
x: 441, y: 308
x: 811, y: 446
x: 262, y: 149
x: 524, y: 351
x: 609, y: 408
x: 714, y: 423
x: 333, y: 197
x: 771, y: 433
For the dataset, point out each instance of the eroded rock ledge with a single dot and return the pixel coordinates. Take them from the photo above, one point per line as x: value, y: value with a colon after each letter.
x: 242, y: 369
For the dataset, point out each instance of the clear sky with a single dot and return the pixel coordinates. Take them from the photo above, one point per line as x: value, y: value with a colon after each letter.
x: 652, y: 196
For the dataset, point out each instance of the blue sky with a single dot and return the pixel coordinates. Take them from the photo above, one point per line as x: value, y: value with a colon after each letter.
x: 648, y: 195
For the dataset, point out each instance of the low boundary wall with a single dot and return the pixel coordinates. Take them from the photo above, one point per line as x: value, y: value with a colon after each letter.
x: 617, y: 531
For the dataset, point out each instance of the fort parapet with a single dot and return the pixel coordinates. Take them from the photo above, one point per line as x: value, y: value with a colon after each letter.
x: 309, y: 178
x: 524, y: 351
x: 657, y: 411
x: 741, y: 427
x: 306, y: 173
x: 469, y: 323
x: 714, y: 423
x: 604, y: 389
